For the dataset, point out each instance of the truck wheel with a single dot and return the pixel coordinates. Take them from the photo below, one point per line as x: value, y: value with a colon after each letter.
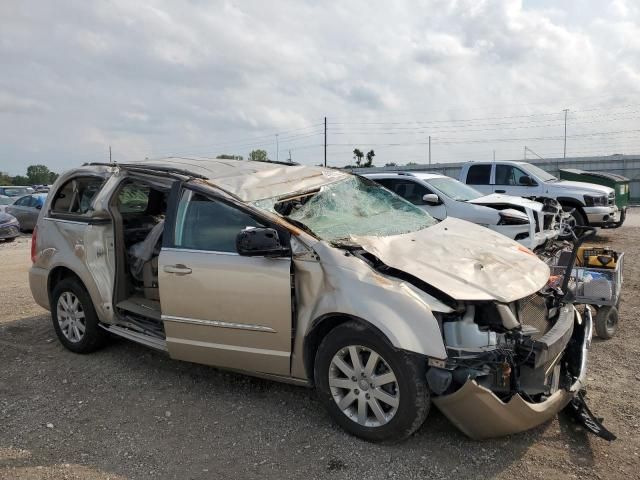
x: 74, y: 317
x: 369, y: 388
x: 606, y: 322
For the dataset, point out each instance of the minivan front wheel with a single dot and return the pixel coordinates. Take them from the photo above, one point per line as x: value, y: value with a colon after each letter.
x: 369, y: 388
x: 74, y: 318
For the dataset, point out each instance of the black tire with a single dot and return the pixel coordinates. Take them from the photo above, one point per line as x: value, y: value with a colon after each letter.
x: 94, y: 336
x: 606, y: 322
x: 577, y: 219
x: 414, y: 398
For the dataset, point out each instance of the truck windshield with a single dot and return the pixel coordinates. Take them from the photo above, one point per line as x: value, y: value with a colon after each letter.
x: 540, y: 173
x: 454, y: 189
x: 353, y: 206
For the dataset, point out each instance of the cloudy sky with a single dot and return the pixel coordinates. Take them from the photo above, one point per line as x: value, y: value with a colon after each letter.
x: 161, y: 78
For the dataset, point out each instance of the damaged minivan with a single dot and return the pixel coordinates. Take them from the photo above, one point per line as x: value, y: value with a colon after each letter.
x: 316, y: 277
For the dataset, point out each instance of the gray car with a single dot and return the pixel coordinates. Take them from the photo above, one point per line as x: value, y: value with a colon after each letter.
x: 26, y: 209
x: 9, y: 228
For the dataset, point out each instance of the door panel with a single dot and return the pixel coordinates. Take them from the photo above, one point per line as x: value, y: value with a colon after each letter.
x: 218, y: 307
x: 230, y: 311
x: 507, y: 181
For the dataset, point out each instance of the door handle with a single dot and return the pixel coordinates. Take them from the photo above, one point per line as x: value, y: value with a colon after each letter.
x: 178, y: 269
x: 501, y: 191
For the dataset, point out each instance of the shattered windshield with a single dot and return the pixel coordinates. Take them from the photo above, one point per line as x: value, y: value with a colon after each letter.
x: 353, y: 206
x: 454, y: 189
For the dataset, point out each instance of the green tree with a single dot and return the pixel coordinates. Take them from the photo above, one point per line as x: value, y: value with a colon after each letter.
x: 411, y: 163
x: 20, y: 180
x: 357, y: 156
x: 258, y: 155
x: 53, y: 176
x: 391, y: 164
x: 370, y: 155
x: 38, y: 174
x: 5, y: 179
x: 226, y: 156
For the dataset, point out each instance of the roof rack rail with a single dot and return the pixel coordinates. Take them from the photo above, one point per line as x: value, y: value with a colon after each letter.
x: 149, y: 168
x: 276, y: 161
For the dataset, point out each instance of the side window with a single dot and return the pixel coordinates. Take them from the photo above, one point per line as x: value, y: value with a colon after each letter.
x: 479, y: 175
x: 205, y: 224
x: 133, y: 198
x: 508, y: 175
x: 34, y: 201
x: 385, y: 182
x: 23, y: 202
x: 76, y: 195
x: 409, y: 190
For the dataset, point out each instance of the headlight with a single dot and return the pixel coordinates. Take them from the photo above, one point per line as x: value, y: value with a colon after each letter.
x: 596, y: 200
x: 512, y: 218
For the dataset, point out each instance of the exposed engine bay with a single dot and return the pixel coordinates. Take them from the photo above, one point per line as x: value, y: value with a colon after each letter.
x: 516, y: 348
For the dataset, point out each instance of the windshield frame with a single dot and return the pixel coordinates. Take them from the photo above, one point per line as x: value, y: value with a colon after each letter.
x: 538, y: 172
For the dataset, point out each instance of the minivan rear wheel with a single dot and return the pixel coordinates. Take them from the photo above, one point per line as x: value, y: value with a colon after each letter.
x: 74, y: 318
x: 369, y: 388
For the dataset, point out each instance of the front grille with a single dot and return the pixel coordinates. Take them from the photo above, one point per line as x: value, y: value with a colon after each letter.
x: 533, y: 312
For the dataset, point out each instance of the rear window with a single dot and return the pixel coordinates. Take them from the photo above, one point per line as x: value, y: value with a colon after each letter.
x: 479, y: 175
x: 76, y: 195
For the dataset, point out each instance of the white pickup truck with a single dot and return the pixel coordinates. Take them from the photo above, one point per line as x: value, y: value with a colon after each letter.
x: 589, y: 204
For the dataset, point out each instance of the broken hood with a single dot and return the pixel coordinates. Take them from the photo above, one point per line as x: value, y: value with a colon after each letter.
x: 500, y: 199
x: 463, y: 260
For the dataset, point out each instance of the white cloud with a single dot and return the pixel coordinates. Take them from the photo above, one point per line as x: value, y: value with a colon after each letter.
x: 160, y: 77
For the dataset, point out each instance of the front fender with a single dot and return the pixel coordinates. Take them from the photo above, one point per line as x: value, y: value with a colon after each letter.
x: 349, y: 287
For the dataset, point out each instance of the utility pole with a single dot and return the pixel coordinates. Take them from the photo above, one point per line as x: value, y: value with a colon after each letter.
x: 565, y: 133
x: 325, y: 142
x: 429, y: 150
x: 290, y: 157
x: 525, y: 152
x: 494, y: 156
x: 110, y: 154
x: 277, y: 149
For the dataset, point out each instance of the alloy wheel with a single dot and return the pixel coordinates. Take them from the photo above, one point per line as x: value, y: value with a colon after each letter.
x: 71, y: 317
x: 364, y: 386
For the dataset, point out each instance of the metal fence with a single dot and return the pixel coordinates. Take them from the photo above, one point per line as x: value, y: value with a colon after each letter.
x: 627, y: 165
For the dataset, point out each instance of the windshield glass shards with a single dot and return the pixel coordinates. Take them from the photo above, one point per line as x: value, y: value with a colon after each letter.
x: 354, y: 206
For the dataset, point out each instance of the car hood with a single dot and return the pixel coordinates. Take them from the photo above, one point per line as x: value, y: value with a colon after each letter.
x: 499, y: 199
x: 463, y: 260
x: 6, y: 218
x: 582, y: 186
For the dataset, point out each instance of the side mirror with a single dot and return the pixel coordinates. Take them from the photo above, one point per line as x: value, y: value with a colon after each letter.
x: 527, y: 181
x: 260, y: 242
x: 38, y: 207
x: 431, y: 199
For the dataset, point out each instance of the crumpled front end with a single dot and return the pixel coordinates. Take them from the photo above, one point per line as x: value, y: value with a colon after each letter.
x: 497, y: 383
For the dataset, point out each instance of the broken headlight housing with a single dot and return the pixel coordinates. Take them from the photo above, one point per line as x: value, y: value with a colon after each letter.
x: 512, y: 217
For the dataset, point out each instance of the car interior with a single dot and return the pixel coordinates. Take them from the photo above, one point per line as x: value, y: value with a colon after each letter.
x: 139, y: 208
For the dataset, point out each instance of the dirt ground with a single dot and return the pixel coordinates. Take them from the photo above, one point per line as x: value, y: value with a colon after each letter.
x: 129, y: 412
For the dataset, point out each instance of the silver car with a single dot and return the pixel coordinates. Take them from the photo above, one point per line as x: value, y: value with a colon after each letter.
x: 26, y: 210
x: 315, y: 277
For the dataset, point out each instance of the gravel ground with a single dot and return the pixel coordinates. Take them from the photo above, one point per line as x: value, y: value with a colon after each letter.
x: 129, y: 412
